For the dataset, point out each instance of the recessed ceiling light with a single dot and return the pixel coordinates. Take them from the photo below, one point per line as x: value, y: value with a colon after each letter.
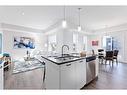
x: 23, y: 13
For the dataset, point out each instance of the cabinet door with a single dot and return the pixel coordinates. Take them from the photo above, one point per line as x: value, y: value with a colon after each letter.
x: 68, y: 78
x: 52, y: 75
x: 80, y: 73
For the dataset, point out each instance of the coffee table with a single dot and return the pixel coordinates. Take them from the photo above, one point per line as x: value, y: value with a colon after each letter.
x: 29, y: 59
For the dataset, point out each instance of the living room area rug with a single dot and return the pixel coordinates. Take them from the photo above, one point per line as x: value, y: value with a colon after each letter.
x: 23, y: 66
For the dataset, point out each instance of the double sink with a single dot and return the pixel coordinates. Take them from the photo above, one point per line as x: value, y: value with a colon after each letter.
x: 66, y: 57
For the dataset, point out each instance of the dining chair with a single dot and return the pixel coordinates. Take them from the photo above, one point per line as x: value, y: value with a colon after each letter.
x: 109, y: 57
x: 100, y: 55
x: 115, y: 55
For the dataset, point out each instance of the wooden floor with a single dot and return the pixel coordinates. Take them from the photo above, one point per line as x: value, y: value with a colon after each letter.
x: 26, y: 80
x: 109, y: 78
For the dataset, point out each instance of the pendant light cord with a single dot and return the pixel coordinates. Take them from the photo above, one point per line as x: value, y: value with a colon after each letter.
x: 106, y: 30
x: 64, y: 12
x: 79, y: 15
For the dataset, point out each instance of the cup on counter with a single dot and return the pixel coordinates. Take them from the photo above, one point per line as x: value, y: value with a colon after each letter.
x: 83, y: 54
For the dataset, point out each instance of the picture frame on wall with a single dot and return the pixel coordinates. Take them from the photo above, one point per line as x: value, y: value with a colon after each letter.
x: 95, y: 43
x: 24, y: 43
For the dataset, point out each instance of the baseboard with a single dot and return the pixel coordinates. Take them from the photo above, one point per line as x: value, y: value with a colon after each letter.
x: 122, y: 62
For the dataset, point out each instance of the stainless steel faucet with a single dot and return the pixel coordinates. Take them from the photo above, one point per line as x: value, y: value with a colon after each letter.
x: 63, y: 48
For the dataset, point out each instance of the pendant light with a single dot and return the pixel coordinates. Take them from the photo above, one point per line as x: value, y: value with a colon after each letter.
x: 64, y: 22
x: 79, y: 25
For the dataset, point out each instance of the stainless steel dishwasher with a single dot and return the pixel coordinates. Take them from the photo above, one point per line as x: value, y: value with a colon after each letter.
x: 90, y: 68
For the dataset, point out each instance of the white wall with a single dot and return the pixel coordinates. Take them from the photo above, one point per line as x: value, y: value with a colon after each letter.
x: 68, y: 40
x: 65, y: 37
x: 8, y: 37
x: 95, y: 38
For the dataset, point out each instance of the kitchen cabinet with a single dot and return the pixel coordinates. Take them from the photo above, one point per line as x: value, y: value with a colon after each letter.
x: 71, y: 75
x: 68, y: 75
x: 52, y: 75
x: 80, y: 73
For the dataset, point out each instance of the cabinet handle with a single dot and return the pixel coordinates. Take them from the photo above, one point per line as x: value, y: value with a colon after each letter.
x: 68, y: 65
x: 81, y: 61
x: 44, y: 73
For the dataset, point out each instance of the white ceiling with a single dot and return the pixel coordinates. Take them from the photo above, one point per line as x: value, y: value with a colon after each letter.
x: 41, y: 17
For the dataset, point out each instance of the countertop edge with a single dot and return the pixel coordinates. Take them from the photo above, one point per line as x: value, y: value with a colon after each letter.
x: 66, y: 61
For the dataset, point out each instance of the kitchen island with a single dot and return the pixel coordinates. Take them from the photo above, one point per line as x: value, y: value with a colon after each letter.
x: 69, y: 72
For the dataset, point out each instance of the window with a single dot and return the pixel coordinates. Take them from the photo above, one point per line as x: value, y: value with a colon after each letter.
x: 111, y: 43
x: 85, y: 43
x: 52, y: 43
x: 75, y: 41
x: 108, y: 43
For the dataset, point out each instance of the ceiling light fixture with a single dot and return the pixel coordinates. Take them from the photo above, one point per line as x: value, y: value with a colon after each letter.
x: 23, y: 13
x: 79, y: 26
x: 64, y: 22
